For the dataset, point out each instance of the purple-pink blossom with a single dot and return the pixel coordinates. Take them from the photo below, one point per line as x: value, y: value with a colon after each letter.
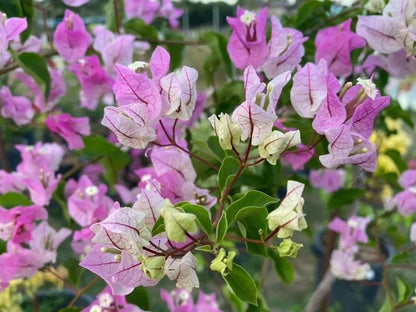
x: 335, y: 44
x: 72, y: 129
x: 71, y: 39
x: 93, y: 79
x: 247, y: 44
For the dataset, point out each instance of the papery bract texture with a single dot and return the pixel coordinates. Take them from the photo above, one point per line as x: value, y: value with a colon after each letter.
x: 286, y: 49
x: 335, y: 44
x: 129, y: 124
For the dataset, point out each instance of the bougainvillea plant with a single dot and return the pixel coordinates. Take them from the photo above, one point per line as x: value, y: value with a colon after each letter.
x: 120, y: 165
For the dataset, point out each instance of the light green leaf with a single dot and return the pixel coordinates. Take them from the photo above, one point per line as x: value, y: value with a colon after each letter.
x: 386, y: 307
x: 242, y: 284
x: 404, y: 290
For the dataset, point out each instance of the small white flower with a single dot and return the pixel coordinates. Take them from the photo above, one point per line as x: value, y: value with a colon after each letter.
x: 248, y: 17
x: 352, y: 223
x: 184, y: 296
x: 369, y: 87
x: 96, y: 308
x: 106, y: 300
x: 139, y: 65
x: 91, y: 190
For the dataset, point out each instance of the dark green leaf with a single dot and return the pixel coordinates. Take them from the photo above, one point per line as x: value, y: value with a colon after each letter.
x: 35, y: 66
x: 140, y: 29
x: 282, y: 266
x: 201, y: 149
x: 112, y: 158
x: 250, y: 202
x: 140, y: 298
x: 159, y: 226
x: 242, y: 284
x: 229, y: 167
x: 233, y: 299
x: 344, y: 197
x: 222, y: 228
x: 175, y: 50
x: 255, y: 225
x: 10, y: 200
x: 218, y: 46
x: 74, y: 270
x: 202, y: 216
x: 395, y: 111
x: 70, y: 309
x: 19, y: 8
x: 229, y: 96
x: 397, y: 158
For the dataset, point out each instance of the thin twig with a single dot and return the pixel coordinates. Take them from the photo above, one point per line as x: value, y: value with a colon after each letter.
x: 320, y: 292
x: 79, y: 167
x: 81, y: 291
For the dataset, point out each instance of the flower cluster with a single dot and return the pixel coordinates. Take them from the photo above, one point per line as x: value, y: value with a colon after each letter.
x: 248, y: 44
x: 343, y: 262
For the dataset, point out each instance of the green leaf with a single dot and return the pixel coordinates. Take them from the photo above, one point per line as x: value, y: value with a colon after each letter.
x: 386, y: 307
x: 254, y: 225
x: 11, y: 199
x: 282, y: 266
x: 75, y: 271
x: 175, y: 50
x: 229, y: 96
x: 397, y: 158
x: 111, y: 157
x: 141, y: 30
x: 218, y: 45
x: 70, y: 309
x: 140, y: 298
x: 110, y: 14
x: 233, y: 299
x: 201, y: 149
x: 395, y: 111
x: 242, y: 284
x: 159, y: 226
x: 202, y: 217
x: 229, y: 168
x: 222, y: 228
x: 248, y: 204
x: 344, y: 197
x: 35, y: 66
x: 404, y: 290
x: 397, y: 237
